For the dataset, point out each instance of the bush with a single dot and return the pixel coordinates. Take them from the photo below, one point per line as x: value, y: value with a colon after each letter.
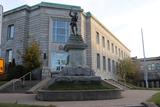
x: 16, y: 72
x: 32, y: 57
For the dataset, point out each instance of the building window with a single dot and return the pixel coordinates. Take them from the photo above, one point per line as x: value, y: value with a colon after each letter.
x: 97, y: 38
x: 109, y: 64
x: 116, y: 50
x: 104, y: 63
x: 10, y: 32
x: 9, y: 55
x: 158, y: 66
x: 153, y: 67
x: 116, y: 67
x: 61, y: 31
x: 112, y: 48
x: 108, y: 44
x: 113, y: 66
x: 103, y: 41
x: 149, y: 67
x: 98, y: 61
x: 122, y: 53
x: 119, y: 51
x: 58, y: 61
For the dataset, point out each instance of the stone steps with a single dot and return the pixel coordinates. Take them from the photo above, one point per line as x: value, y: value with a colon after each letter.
x: 118, y: 84
x: 42, y: 84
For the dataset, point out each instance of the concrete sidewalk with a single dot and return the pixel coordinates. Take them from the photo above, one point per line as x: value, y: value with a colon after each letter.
x: 130, y: 98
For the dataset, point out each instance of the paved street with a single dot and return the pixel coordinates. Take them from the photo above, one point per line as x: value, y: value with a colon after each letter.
x: 130, y: 97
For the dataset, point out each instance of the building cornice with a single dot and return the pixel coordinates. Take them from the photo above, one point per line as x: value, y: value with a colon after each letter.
x: 43, y: 4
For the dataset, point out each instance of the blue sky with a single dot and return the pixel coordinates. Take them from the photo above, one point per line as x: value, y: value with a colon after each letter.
x: 124, y: 18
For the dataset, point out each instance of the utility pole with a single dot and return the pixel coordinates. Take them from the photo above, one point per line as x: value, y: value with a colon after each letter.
x: 145, y: 69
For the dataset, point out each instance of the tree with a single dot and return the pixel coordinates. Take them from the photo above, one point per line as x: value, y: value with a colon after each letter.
x: 128, y: 71
x: 31, y: 57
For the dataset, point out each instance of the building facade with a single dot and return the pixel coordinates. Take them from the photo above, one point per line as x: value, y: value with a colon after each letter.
x: 49, y: 25
x: 152, y: 67
x: 1, y: 12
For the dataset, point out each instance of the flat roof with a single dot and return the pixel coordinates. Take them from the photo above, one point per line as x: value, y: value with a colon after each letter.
x: 150, y: 58
x: 43, y: 4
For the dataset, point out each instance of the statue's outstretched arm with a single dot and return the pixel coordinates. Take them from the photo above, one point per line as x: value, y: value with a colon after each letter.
x: 70, y: 13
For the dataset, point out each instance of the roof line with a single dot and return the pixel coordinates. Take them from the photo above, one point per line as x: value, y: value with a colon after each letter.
x: 43, y: 4
x: 90, y: 15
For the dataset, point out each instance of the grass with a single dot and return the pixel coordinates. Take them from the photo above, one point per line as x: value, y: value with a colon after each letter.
x: 80, y: 86
x: 155, y: 98
x: 2, y: 82
x: 21, y: 105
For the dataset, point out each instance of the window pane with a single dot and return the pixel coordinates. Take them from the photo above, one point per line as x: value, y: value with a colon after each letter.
x: 113, y: 66
x: 97, y: 37
x: 108, y: 44
x: 103, y: 41
x: 149, y: 67
x: 116, y: 49
x: 9, y: 55
x: 10, y: 31
x: 109, y: 64
x: 112, y: 48
x: 60, y: 24
x: 158, y: 66
x: 58, y: 60
x: 98, y: 61
x: 60, y: 31
x: 104, y: 63
x: 60, y: 38
x: 153, y: 66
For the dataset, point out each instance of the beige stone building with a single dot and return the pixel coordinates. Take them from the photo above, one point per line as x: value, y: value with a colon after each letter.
x: 48, y: 24
x: 1, y: 11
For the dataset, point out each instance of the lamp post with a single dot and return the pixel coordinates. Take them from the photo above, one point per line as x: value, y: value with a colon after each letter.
x: 145, y: 70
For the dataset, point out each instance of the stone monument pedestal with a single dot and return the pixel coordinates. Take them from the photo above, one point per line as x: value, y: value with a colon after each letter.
x: 76, y: 61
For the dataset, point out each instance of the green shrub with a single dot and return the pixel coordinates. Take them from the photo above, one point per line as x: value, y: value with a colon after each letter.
x: 16, y: 72
x: 32, y: 57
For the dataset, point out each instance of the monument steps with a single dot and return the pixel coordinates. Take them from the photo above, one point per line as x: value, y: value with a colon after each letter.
x: 118, y: 84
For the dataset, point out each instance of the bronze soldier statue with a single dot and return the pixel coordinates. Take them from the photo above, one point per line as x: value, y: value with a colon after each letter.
x: 73, y: 24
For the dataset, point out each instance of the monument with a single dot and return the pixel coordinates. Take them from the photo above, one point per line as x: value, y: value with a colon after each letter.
x: 75, y: 47
x: 77, y: 73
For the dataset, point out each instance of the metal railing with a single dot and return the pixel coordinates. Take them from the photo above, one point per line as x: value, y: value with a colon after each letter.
x: 21, y: 79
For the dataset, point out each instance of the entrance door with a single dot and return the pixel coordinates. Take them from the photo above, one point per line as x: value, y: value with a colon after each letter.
x: 59, y: 61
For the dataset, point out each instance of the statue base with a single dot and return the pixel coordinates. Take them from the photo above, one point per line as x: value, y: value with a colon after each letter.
x: 75, y: 42
x: 76, y: 61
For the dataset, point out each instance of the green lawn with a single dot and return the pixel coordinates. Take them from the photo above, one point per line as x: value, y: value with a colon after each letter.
x: 80, y: 86
x: 21, y: 105
x: 2, y: 82
x: 155, y: 98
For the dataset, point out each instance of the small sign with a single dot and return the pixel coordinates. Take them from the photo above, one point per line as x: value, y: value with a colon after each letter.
x: 2, y: 66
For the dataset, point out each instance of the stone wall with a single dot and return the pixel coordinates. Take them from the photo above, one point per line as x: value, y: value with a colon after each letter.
x: 77, y: 95
x: 19, y: 42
